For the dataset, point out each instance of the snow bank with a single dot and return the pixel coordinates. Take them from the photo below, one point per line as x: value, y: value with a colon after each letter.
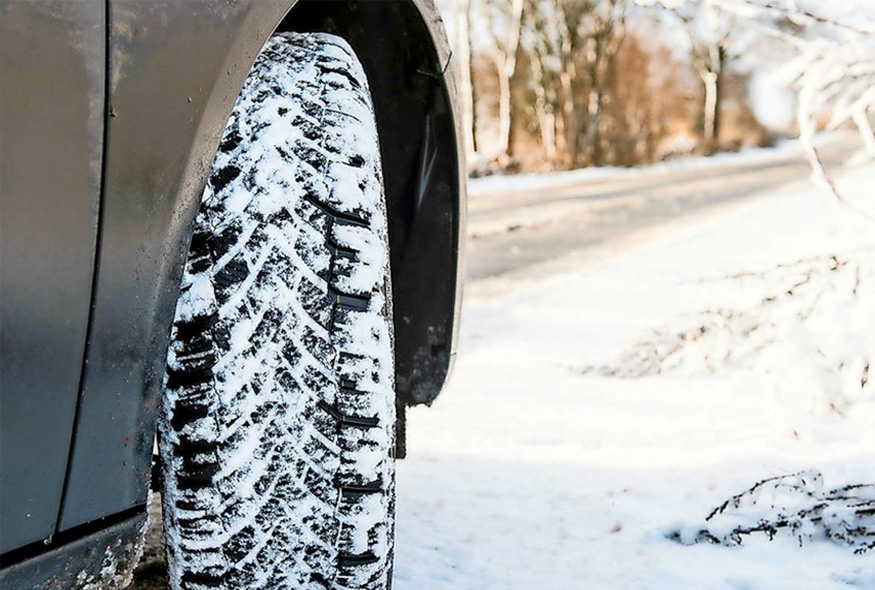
x: 537, y: 469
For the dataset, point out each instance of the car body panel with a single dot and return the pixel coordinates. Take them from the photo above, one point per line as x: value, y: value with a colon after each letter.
x: 52, y: 96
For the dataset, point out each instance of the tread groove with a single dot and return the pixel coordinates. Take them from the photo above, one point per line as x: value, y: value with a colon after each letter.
x: 190, y: 328
x: 349, y: 301
x: 338, y: 216
x: 341, y: 252
x: 203, y: 579
x: 347, y: 560
x: 177, y: 378
x: 374, y: 487
x: 357, y: 421
x: 188, y: 413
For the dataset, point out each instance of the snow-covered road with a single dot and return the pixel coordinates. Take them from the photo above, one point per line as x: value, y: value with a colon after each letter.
x: 516, y: 222
x: 597, y: 408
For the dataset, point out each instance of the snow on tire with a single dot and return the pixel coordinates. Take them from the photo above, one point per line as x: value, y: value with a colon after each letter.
x: 278, y: 419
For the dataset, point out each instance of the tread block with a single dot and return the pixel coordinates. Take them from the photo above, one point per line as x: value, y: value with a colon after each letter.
x: 195, y: 447
x: 177, y: 378
x: 193, y: 481
x: 221, y: 178
x: 231, y: 275
x: 188, y: 329
x: 184, y: 414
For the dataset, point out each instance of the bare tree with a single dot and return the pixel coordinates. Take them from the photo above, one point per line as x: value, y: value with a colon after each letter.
x: 834, y: 68
x: 571, y: 46
x: 550, y: 40
x: 708, y: 29
x: 506, y: 37
x: 604, y: 33
x: 462, y: 46
x: 544, y: 105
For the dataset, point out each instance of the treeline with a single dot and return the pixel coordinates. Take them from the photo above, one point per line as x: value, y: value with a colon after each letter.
x: 563, y: 84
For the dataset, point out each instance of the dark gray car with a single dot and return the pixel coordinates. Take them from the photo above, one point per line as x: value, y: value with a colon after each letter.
x: 241, y: 222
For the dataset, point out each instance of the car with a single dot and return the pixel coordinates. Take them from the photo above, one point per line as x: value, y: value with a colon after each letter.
x: 231, y: 236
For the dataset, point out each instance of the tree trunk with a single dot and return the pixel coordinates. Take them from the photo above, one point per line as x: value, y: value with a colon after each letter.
x: 543, y: 110
x: 569, y: 118
x: 569, y: 112
x: 712, y: 77
x: 709, y: 113
x: 466, y: 87
x: 611, y: 38
x: 506, y: 73
x: 594, y: 103
x: 503, y: 113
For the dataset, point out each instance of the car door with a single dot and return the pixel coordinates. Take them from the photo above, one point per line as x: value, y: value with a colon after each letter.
x: 52, y: 104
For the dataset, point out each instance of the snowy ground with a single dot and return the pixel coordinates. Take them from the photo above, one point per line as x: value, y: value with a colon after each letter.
x: 594, y: 412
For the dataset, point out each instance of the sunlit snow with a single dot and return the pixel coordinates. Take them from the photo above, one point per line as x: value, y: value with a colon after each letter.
x: 534, y: 471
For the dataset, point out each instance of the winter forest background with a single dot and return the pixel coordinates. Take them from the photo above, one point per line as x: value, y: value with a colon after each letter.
x: 564, y: 84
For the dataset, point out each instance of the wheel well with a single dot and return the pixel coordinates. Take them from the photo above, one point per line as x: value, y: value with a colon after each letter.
x: 421, y: 174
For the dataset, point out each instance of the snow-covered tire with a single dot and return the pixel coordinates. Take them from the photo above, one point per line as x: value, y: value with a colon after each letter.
x: 277, y: 426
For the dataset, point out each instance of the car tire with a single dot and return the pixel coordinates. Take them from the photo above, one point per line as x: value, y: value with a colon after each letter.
x: 276, y: 433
